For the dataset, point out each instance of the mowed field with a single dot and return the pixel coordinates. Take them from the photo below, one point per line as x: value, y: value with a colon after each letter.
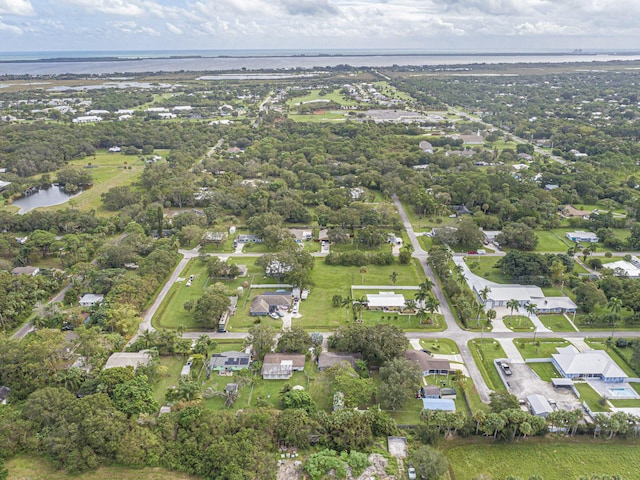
x: 108, y: 171
x: 26, y: 467
x: 566, y: 460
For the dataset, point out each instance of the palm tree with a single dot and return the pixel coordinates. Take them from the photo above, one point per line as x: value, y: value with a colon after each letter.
x: 363, y: 270
x: 426, y: 285
x: 393, y: 277
x: 531, y: 309
x: 421, y: 315
x: 432, y: 305
x: 491, y: 316
x: 513, y: 304
x: 615, y: 305
x: 479, y: 308
x: 411, y: 306
x: 347, y: 303
x: 484, y: 293
x: 181, y: 329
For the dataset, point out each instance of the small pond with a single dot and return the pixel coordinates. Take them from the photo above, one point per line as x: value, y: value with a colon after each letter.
x: 54, y: 195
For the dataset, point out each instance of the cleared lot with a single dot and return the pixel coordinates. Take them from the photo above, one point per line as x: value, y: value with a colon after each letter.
x: 524, y: 382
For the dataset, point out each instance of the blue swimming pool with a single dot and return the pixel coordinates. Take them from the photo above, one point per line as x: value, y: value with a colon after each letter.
x: 619, y: 392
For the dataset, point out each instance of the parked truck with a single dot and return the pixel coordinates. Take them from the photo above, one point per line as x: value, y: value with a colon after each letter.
x: 505, y: 368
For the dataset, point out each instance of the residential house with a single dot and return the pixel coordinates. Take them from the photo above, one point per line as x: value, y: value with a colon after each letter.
x: 591, y: 364
x: 329, y: 359
x: 4, y: 185
x: 444, y: 404
x: 90, y: 300
x: 31, y: 271
x: 582, y: 237
x: 128, y: 359
x: 87, y: 119
x: 248, y: 238
x: 622, y: 268
x: 280, y: 366
x: 115, y: 149
x: 499, y: 295
x: 229, y: 361
x: 426, y: 147
x: 428, y: 365
x: 386, y: 301
x: 268, y: 302
x: 214, y: 237
x: 461, y: 210
x: 551, y: 186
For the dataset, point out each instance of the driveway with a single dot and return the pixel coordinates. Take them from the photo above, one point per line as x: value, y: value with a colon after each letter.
x: 524, y: 382
x: 512, y: 352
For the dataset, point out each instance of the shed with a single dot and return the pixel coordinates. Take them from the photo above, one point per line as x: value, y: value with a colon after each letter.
x: 445, y: 404
x: 430, y: 391
x: 31, y: 271
x: 448, y: 393
x: 539, y: 405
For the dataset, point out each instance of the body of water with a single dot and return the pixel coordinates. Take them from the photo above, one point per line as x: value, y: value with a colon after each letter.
x: 54, y: 195
x: 52, y: 63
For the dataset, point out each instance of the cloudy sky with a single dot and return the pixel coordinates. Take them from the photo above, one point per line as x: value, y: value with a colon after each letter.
x: 432, y: 25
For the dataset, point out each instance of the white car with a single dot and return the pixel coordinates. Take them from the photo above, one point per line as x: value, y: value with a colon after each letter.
x: 274, y: 315
x: 412, y: 473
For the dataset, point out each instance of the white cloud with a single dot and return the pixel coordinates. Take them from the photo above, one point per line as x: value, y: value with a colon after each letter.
x: 173, y: 29
x: 132, y: 27
x: 4, y: 27
x: 16, y: 7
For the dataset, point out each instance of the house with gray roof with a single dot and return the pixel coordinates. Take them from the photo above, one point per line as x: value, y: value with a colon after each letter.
x: 261, y: 305
x: 539, y: 405
x: 428, y: 365
x: 280, y: 366
x: 591, y: 364
x: 229, y: 361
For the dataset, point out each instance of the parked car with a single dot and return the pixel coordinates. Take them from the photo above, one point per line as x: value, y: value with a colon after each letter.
x: 279, y: 313
x: 274, y: 315
x: 411, y: 473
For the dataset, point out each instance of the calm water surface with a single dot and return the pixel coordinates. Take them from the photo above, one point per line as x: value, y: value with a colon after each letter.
x: 54, y: 195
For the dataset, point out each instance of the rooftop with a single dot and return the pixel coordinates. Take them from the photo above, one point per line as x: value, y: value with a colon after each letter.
x: 128, y: 359
x: 592, y: 362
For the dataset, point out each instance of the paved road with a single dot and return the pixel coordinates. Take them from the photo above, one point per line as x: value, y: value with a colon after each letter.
x: 27, y: 327
x: 453, y: 330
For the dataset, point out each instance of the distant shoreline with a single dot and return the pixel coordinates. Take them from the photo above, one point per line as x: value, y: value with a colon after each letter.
x: 125, y: 58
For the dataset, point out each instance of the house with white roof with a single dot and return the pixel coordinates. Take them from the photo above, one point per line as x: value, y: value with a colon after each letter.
x: 90, y: 299
x: 591, y: 364
x: 622, y: 268
x: 499, y: 295
x: 539, y: 405
x: 582, y: 237
x: 385, y: 301
x: 87, y: 119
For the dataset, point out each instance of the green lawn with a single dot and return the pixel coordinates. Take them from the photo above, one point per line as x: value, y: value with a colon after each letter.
x: 444, y: 346
x: 484, y: 353
x: 174, y: 366
x: 552, y: 241
x: 172, y: 314
x: 590, y: 396
x: 567, y: 460
x: 109, y: 173
x: 546, y: 347
x: 546, y: 370
x: 518, y: 323
x: 483, y: 267
x: 31, y: 467
x: 599, y: 344
x: 556, y: 323
x: 316, y: 118
x: 334, y: 96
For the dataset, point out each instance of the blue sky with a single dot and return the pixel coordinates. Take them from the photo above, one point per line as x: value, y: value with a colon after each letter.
x: 502, y: 25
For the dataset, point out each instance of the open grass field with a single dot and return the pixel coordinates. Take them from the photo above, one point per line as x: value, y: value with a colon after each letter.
x: 529, y: 349
x: 484, y: 352
x: 556, y: 323
x: 518, y: 323
x: 566, y: 460
x: 591, y: 397
x: 109, y: 172
x: 545, y: 370
x: 552, y: 241
x: 314, y: 95
x: 174, y: 366
x: 30, y: 467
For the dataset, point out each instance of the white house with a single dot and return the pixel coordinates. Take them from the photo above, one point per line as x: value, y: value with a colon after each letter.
x: 591, y: 364
x: 622, y: 268
x: 167, y: 115
x: 115, y: 149
x: 385, y: 301
x: 90, y: 299
x: 87, y: 119
x: 582, y: 237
